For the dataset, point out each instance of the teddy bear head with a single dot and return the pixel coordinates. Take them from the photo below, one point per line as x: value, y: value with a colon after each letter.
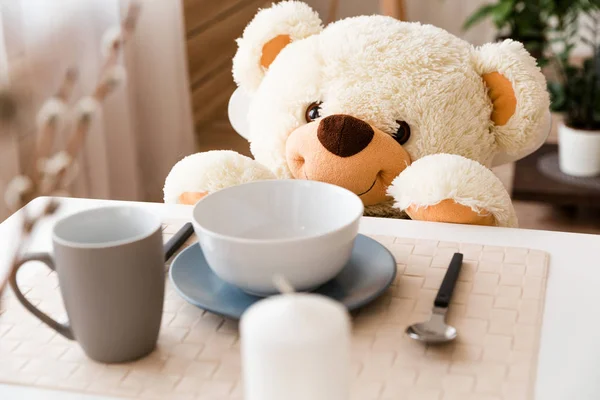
x: 356, y: 102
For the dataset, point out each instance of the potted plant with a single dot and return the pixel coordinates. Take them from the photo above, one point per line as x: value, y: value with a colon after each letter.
x: 538, y: 24
x: 525, y: 21
x: 545, y: 26
x: 579, y: 135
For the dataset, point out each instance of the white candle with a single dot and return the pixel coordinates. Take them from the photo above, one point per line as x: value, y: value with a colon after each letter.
x: 296, y: 347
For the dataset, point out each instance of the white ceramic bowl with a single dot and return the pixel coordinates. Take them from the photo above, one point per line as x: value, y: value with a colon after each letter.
x: 302, y: 230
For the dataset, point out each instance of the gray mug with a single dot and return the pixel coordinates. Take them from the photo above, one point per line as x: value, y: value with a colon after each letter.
x: 110, y: 268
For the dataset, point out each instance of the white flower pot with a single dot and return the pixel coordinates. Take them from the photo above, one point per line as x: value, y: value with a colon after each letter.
x: 578, y: 151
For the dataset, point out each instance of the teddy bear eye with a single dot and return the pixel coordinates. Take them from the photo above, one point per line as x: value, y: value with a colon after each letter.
x: 403, y: 132
x: 313, y: 111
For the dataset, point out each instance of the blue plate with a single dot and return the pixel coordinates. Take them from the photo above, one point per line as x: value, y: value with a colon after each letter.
x: 370, y: 271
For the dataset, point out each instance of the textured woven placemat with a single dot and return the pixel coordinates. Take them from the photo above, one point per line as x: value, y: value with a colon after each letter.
x: 548, y: 165
x: 497, y: 309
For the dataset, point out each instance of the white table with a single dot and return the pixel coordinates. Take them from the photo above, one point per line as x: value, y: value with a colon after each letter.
x: 569, y: 362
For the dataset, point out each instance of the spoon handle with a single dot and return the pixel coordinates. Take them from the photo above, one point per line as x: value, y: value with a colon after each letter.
x: 445, y: 293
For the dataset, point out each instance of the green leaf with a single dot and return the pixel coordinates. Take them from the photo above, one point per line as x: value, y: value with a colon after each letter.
x: 502, y: 12
x: 587, y: 41
x: 479, y: 15
x: 557, y: 96
x: 542, y: 62
x: 590, y: 28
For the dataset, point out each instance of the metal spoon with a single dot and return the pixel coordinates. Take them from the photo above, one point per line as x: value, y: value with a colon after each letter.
x: 436, y: 330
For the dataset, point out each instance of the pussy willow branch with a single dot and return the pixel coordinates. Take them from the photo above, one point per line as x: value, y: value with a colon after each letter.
x: 128, y: 25
x: 44, y: 144
x: 104, y: 86
x: 102, y: 89
x: 47, y: 134
x: 44, y: 182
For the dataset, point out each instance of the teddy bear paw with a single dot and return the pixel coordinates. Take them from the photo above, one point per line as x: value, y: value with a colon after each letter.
x: 455, y: 189
x: 200, y: 174
x: 452, y: 212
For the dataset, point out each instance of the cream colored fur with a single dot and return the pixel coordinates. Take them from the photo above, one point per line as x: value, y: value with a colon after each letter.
x: 514, y: 62
x: 292, y: 18
x: 417, y: 73
x: 437, y: 177
x: 382, y: 70
x: 212, y: 171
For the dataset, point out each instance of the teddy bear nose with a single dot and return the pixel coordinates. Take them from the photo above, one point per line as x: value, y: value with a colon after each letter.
x: 344, y: 135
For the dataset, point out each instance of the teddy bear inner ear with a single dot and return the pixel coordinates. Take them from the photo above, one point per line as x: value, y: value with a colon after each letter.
x: 271, y: 30
x: 272, y: 48
x: 502, y: 95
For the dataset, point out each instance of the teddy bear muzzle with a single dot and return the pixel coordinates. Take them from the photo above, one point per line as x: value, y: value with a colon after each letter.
x: 348, y: 152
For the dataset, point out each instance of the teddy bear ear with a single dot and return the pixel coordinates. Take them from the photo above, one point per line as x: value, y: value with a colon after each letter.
x: 266, y: 35
x: 520, y: 101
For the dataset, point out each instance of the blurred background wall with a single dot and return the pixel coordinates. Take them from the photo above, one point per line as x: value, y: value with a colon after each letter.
x: 447, y: 14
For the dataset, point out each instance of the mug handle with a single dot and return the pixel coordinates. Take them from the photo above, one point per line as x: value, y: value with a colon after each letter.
x: 63, y: 329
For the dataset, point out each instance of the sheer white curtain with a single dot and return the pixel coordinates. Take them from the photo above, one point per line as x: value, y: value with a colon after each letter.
x: 145, y: 126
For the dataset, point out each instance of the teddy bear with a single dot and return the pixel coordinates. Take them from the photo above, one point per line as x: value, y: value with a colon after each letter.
x: 407, y: 116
